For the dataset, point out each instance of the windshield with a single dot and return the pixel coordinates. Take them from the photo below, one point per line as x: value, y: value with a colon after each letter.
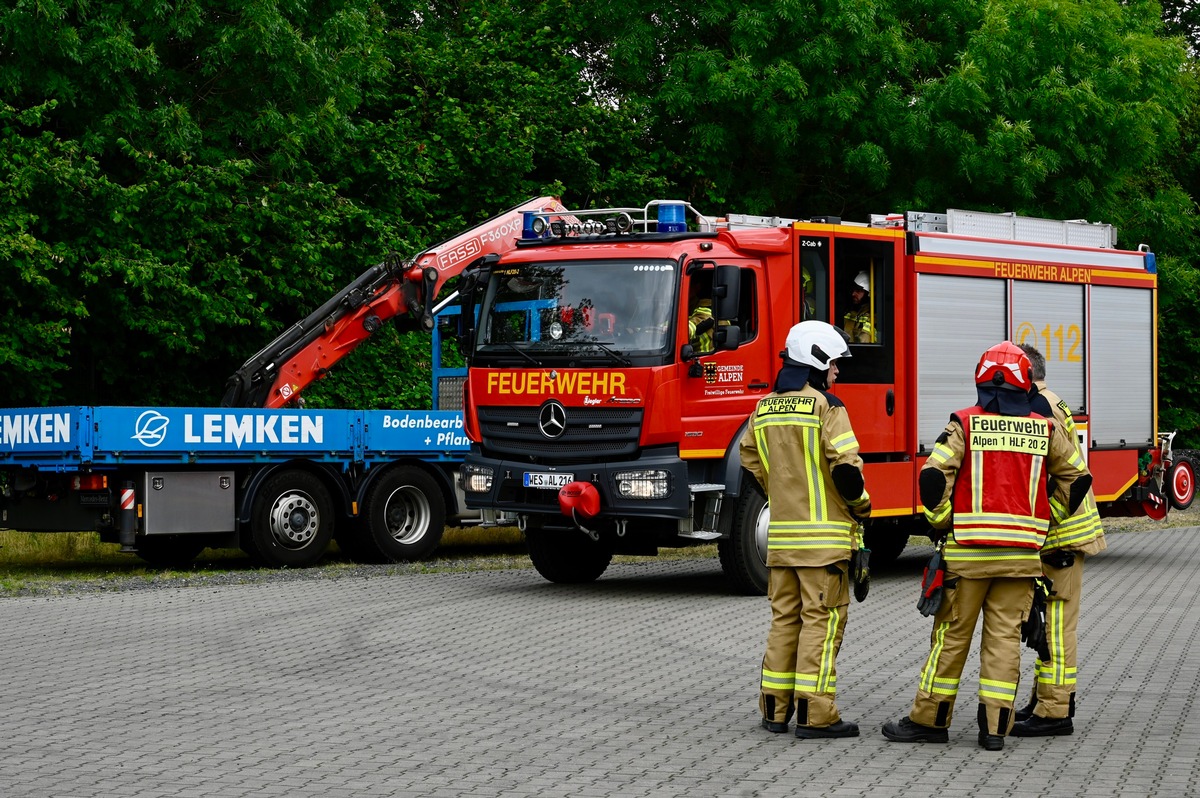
x: 606, y: 309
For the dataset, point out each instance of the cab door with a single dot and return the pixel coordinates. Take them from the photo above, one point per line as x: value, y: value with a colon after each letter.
x: 720, y: 388
x: 864, y: 293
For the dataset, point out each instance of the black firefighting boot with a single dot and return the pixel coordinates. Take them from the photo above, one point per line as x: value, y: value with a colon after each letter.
x: 1037, y: 726
x: 991, y: 742
x: 843, y: 728
x: 906, y: 731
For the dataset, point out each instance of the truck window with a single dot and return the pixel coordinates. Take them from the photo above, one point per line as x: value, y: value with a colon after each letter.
x: 814, y: 278
x: 700, y: 312
x: 864, y: 292
x: 747, y: 318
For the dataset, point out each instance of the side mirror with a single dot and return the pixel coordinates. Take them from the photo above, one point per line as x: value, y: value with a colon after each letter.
x: 727, y: 337
x: 727, y: 284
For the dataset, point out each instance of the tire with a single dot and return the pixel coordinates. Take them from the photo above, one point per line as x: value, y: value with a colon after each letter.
x: 886, y: 541
x: 568, y: 556
x: 169, y: 551
x: 1181, y: 483
x: 291, y: 521
x: 404, y: 516
x: 744, y: 553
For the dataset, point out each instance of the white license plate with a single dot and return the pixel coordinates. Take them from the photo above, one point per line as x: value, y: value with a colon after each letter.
x: 547, y: 479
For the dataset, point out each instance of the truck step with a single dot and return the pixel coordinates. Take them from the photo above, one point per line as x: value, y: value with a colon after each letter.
x: 700, y: 534
x: 706, y: 487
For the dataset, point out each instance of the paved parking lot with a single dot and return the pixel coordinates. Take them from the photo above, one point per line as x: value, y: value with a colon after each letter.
x: 498, y: 683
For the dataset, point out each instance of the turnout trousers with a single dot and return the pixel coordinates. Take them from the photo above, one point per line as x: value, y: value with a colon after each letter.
x: 808, y: 618
x: 1005, y: 602
x: 1054, y: 689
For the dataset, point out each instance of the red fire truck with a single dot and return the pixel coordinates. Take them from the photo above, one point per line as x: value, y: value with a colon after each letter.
x: 605, y: 422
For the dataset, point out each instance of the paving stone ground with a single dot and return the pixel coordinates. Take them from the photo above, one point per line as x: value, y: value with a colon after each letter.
x: 501, y: 684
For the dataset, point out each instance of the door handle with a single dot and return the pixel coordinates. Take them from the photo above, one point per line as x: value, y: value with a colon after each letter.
x: 889, y: 403
x: 758, y: 386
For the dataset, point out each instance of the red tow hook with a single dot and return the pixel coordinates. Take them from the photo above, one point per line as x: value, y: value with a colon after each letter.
x: 579, y: 500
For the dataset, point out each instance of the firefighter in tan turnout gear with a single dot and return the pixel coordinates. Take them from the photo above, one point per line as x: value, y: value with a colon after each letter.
x: 986, y: 481
x: 802, y: 450
x: 1052, y: 706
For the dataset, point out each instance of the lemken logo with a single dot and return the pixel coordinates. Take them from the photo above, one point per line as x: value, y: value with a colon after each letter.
x: 151, y: 429
x: 229, y: 429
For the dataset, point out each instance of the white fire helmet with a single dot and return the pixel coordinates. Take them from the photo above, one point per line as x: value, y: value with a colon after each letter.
x: 815, y: 343
x: 863, y: 281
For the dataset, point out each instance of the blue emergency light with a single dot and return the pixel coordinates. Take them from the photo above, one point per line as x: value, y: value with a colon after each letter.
x: 671, y: 218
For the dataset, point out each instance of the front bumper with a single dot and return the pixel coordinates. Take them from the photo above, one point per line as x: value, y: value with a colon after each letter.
x: 509, y: 494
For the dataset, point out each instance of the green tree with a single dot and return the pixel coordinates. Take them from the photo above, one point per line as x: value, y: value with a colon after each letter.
x: 162, y: 206
x: 488, y: 104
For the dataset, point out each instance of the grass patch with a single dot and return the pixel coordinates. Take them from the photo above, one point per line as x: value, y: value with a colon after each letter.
x: 39, y: 562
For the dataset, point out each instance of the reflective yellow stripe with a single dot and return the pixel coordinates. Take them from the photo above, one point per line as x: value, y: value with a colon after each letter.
x: 1045, y: 674
x: 1055, y: 617
x: 1002, y: 691
x: 825, y: 684
x: 810, y: 683
x: 928, y: 682
x: 940, y: 454
x: 760, y: 443
x: 940, y: 513
x: 844, y: 442
x: 977, y: 482
x: 812, y: 470
x: 954, y: 551
x: 778, y: 680
x: 1035, y: 481
x: 1080, y: 528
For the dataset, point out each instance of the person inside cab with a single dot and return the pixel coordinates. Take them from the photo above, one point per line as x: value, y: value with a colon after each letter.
x: 700, y: 315
x: 857, y: 322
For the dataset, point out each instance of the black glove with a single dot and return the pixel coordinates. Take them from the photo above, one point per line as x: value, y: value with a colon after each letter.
x: 932, y: 580
x: 860, y: 572
x: 1033, y: 630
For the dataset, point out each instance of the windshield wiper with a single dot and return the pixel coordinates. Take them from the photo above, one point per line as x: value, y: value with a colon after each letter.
x: 616, y: 356
x: 522, y: 353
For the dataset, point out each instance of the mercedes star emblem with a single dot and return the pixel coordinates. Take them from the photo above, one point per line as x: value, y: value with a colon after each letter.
x: 552, y: 419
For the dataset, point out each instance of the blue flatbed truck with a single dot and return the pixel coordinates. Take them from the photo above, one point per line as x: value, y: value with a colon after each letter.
x: 261, y: 472
x: 167, y: 482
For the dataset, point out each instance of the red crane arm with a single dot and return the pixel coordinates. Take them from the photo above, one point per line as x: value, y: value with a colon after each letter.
x: 310, y: 348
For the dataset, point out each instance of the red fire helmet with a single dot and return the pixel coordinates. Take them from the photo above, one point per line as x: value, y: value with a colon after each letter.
x: 1004, y: 365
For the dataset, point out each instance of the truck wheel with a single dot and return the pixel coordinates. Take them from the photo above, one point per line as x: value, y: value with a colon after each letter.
x: 404, y: 516
x: 169, y: 551
x: 291, y: 522
x: 1181, y: 483
x: 886, y: 541
x: 744, y: 553
x: 567, y: 556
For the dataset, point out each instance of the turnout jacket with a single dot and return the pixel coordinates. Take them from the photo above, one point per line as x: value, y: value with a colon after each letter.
x: 1082, y: 532
x: 795, y: 445
x: 994, y: 500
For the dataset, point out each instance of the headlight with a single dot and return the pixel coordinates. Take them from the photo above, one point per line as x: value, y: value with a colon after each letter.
x: 643, y: 484
x: 476, y: 479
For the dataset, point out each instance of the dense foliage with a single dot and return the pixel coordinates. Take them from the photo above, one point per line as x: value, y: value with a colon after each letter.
x: 180, y: 180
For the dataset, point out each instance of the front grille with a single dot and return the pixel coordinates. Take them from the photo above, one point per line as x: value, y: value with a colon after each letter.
x: 591, y: 433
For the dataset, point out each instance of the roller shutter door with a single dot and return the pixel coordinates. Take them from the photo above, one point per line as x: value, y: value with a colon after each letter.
x: 957, y: 319
x: 1050, y: 317
x: 1122, y: 361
